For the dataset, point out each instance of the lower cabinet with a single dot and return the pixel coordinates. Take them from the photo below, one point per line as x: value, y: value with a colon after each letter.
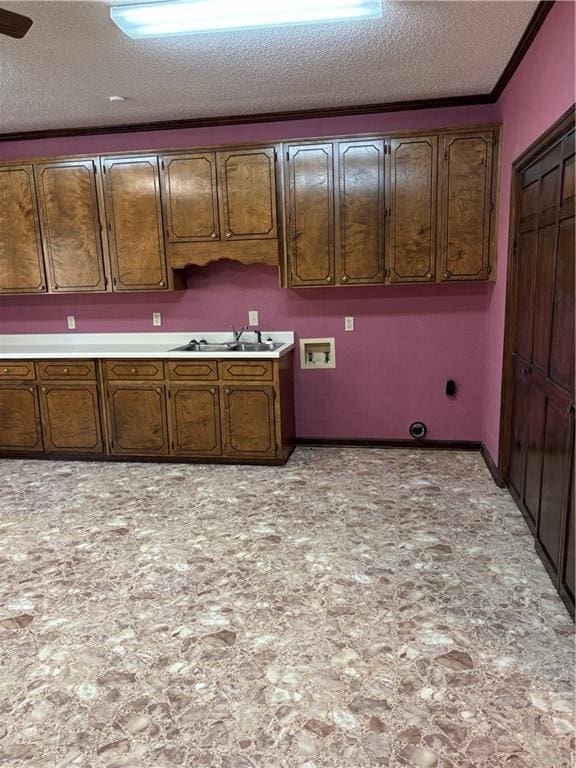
x: 248, y: 421
x: 71, y: 418
x: 227, y: 410
x: 195, y: 420
x: 137, y: 419
x: 20, y: 428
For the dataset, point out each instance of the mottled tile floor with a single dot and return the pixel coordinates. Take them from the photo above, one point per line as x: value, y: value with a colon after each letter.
x: 354, y: 608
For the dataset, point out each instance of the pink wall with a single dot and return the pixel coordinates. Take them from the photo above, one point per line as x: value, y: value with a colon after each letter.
x: 390, y: 371
x: 541, y: 90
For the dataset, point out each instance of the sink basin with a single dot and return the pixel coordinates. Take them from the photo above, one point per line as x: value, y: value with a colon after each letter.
x: 197, y: 347
x: 231, y: 346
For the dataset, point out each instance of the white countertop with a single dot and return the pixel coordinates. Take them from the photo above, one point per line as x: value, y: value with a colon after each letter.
x: 132, y: 345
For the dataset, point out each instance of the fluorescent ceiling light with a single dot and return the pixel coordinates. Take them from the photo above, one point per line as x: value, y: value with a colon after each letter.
x: 185, y: 17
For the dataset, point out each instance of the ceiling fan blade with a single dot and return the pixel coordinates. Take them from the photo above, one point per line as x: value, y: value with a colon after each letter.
x: 14, y: 24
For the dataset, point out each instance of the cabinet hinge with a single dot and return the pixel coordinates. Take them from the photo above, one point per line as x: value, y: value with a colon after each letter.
x: 169, y: 395
x: 386, y: 272
x: 287, y: 155
x: 515, y: 246
x: 494, y: 139
x: 162, y: 164
x: 489, y: 269
x: 94, y: 168
x: 275, y: 156
x: 491, y: 206
x: 172, y: 444
x: 103, y: 169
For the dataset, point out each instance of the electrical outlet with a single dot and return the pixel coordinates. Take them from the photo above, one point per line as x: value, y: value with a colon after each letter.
x: 253, y: 317
x: 71, y: 320
x: 348, y: 323
x: 156, y: 318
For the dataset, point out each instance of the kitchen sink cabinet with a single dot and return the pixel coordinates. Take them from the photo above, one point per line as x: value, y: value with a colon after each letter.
x: 221, y: 205
x: 135, y: 228
x: 195, y: 420
x: 185, y: 409
x: 70, y: 225
x: 20, y: 428
x: 21, y: 262
x: 137, y: 419
x: 248, y: 421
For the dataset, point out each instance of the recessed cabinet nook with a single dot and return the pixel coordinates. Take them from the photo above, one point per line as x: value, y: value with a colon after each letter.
x: 344, y: 211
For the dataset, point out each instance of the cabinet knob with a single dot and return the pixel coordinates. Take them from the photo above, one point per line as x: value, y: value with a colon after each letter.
x: 329, y: 279
x: 43, y: 389
x: 54, y: 287
x: 214, y: 235
x: 161, y: 282
x: 159, y: 389
x: 213, y: 390
x: 429, y: 275
x: 344, y: 279
x: 227, y: 391
x: 446, y: 275
x: 65, y: 370
x: 5, y: 370
x: 132, y: 370
x: 30, y: 389
x: 228, y: 235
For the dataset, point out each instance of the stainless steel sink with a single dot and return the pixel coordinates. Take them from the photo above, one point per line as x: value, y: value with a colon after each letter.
x: 231, y: 346
x: 197, y: 346
x: 256, y: 347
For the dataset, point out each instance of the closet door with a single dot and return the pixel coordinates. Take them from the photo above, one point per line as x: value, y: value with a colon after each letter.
x: 541, y: 449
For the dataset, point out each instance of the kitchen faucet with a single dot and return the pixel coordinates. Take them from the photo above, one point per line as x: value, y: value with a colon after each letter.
x: 237, y: 334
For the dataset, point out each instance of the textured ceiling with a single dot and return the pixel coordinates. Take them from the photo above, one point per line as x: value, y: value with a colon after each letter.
x: 62, y: 73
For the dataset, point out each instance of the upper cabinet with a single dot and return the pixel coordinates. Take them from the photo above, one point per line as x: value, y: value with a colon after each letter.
x: 134, y: 216
x: 310, y: 198
x: 412, y: 221
x: 21, y: 264
x: 191, y: 197
x: 407, y: 209
x: 221, y: 205
x: 360, y: 212
x: 363, y: 210
x: 466, y: 206
x: 70, y: 223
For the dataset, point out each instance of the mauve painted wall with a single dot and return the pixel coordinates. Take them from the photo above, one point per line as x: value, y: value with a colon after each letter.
x: 390, y: 371
x: 541, y: 90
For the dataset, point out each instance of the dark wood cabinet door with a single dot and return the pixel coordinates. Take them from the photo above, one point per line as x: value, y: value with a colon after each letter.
x: 248, y: 194
x: 20, y: 428
x: 21, y: 263
x: 538, y: 444
x: 248, y: 421
x: 465, y: 206
x: 412, y: 223
x: 360, y: 212
x: 137, y: 419
x: 133, y: 212
x: 191, y: 197
x: 310, y: 180
x: 71, y: 418
x: 70, y: 223
x: 195, y: 420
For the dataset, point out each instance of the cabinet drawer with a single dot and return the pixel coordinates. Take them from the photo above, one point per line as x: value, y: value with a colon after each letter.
x: 128, y: 370
x: 246, y: 370
x: 199, y: 370
x: 19, y: 369
x: 84, y: 370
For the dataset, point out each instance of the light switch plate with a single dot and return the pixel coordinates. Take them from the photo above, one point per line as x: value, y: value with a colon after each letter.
x: 71, y: 321
x: 253, y: 317
x: 157, y: 318
x: 348, y: 323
